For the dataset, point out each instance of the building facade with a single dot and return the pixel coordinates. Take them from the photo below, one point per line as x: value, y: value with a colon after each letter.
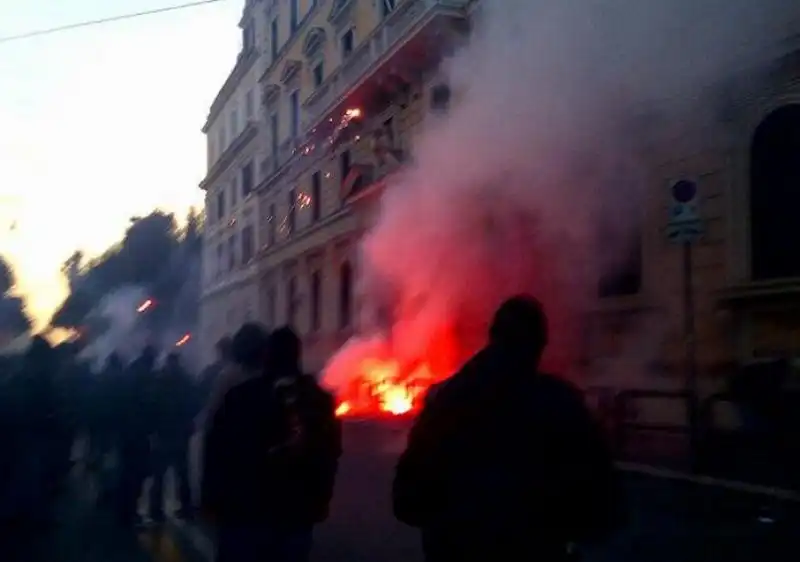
x: 233, y: 131
x: 349, y: 82
x: 280, y: 230
x: 341, y: 85
x: 745, y: 271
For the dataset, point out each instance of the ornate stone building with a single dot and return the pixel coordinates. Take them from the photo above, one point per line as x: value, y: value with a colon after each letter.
x: 342, y: 98
x: 340, y: 87
x: 741, y: 150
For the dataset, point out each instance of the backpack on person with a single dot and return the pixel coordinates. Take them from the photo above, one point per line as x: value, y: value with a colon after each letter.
x: 311, y: 445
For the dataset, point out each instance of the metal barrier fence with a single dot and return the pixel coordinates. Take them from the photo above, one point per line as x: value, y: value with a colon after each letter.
x: 724, y: 449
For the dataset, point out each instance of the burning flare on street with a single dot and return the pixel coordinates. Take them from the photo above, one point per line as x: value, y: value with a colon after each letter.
x: 382, y: 387
x: 371, y: 379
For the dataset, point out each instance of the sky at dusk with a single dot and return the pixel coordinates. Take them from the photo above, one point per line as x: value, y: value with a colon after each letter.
x: 100, y: 124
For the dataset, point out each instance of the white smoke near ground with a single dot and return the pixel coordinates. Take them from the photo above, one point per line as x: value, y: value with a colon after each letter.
x: 118, y: 321
x: 120, y: 331
x: 181, y: 327
x: 537, y: 156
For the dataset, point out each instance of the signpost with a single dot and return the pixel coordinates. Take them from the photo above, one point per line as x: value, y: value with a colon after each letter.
x: 685, y: 227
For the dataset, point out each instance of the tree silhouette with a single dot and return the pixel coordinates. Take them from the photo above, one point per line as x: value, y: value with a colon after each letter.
x: 13, y: 318
x: 7, y: 280
x: 154, y: 254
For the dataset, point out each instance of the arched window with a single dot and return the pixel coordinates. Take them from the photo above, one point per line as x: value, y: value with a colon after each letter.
x: 345, y: 294
x: 775, y: 196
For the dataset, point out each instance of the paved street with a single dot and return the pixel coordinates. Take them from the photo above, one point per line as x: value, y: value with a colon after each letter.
x: 673, y: 521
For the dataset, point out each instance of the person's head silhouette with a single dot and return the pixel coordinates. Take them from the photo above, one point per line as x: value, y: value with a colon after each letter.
x: 285, y: 351
x: 249, y: 346
x: 519, y: 328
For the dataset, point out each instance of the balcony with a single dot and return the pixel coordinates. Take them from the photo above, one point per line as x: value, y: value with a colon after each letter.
x: 368, y: 177
x: 402, y: 35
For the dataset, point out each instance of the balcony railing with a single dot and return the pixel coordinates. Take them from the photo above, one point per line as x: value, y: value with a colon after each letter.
x: 390, y: 33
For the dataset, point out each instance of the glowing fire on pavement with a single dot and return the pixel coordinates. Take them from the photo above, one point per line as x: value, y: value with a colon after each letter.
x: 382, y: 387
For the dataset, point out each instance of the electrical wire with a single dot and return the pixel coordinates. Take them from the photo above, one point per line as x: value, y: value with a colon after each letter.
x: 88, y: 23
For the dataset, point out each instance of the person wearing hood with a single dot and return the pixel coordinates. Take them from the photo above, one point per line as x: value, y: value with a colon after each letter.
x: 227, y: 373
x: 270, y: 455
x: 505, y: 462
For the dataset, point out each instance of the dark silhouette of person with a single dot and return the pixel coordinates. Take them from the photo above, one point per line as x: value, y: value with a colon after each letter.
x: 270, y: 454
x: 227, y: 373
x: 211, y: 376
x: 175, y: 410
x: 505, y: 462
x: 40, y: 425
x: 136, y: 427
x: 103, y: 420
x: 102, y: 405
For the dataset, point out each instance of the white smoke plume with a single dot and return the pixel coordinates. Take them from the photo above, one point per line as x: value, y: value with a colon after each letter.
x: 507, y: 192
x: 120, y: 331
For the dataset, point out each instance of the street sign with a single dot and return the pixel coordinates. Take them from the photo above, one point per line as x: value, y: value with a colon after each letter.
x: 684, y: 225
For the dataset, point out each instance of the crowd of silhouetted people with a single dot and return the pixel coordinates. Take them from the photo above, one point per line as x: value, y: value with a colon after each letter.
x: 124, y: 422
x: 502, y: 461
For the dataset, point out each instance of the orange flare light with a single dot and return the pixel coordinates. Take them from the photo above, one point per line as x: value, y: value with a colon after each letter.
x: 183, y: 340
x: 343, y: 409
x: 382, y: 388
x: 145, y: 305
x: 353, y: 113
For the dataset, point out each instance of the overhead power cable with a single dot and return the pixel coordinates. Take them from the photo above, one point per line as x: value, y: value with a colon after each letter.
x: 89, y: 23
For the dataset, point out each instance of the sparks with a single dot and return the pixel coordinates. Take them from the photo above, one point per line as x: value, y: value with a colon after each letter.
x: 343, y: 409
x: 303, y: 200
x: 145, y: 305
x: 183, y: 340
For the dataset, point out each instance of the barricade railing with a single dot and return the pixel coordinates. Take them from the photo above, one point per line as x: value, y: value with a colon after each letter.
x: 726, y: 450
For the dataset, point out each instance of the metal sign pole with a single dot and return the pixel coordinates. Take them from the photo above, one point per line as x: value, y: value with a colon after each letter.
x: 685, y: 227
x: 692, y: 405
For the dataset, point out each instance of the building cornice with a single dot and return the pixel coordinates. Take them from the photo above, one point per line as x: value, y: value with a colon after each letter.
x: 229, y: 155
x: 244, y: 63
x: 247, y: 12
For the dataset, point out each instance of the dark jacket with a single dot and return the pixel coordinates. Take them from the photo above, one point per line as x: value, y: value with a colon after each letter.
x: 175, y: 403
x: 251, y: 474
x: 501, y: 460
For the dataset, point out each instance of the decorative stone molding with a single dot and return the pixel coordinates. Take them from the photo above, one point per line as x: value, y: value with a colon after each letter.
x: 341, y: 13
x: 314, y: 42
x: 290, y: 70
x: 270, y: 94
x: 230, y: 154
